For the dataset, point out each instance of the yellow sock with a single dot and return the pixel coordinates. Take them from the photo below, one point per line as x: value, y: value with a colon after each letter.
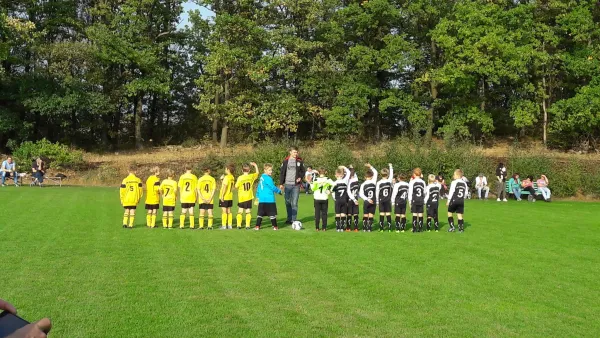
x: 192, y: 221
x: 210, y: 221
x: 201, y: 221
x: 131, y: 219
x: 229, y: 219
x: 238, y: 219
x: 248, y: 219
x: 224, y: 220
x: 181, y: 221
x: 171, y: 221
x: 153, y: 220
x: 148, y: 220
x: 125, y: 218
x: 165, y: 222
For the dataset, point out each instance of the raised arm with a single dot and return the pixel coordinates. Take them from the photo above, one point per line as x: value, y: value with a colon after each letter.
x: 395, y: 191
x: 349, y: 192
x: 361, y: 193
x: 451, y: 193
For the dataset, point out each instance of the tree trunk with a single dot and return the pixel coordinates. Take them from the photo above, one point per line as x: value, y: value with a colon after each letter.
x: 225, y: 123
x: 545, y: 110
x: 434, y: 94
x: 138, y: 121
x: 215, y: 123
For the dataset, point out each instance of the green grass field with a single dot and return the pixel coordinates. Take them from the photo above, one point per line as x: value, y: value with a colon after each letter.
x: 520, y: 269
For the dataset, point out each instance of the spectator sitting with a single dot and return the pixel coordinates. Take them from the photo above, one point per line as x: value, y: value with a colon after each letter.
x: 442, y: 182
x: 527, y: 185
x: 514, y: 185
x: 542, y: 184
x: 38, y: 169
x: 481, y: 184
x: 309, y: 177
x: 9, y: 169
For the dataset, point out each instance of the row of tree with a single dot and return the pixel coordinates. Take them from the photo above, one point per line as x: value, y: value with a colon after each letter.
x: 119, y: 73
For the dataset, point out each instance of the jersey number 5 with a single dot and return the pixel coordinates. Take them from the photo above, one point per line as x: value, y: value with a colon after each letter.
x: 131, y: 188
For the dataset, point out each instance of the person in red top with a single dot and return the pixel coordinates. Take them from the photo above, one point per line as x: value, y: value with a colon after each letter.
x: 527, y: 185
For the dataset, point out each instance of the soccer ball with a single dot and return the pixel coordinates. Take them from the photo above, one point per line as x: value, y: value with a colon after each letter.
x: 297, y: 225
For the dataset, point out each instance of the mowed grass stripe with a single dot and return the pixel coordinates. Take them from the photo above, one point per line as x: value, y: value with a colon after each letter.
x: 520, y: 269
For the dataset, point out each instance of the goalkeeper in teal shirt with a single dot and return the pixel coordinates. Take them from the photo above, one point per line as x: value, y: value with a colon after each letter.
x: 321, y: 188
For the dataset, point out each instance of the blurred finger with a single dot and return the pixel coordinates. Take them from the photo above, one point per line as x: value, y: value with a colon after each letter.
x: 6, y: 306
x: 44, y: 325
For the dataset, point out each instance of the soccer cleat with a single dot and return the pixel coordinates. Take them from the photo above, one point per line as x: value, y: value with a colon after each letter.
x: 380, y: 230
x: 348, y: 230
x: 317, y: 229
x: 451, y: 229
x: 397, y: 231
x: 124, y: 225
x: 498, y: 200
x: 402, y: 230
x: 210, y: 228
x: 275, y: 228
x: 181, y: 227
x: 201, y: 228
x: 355, y: 230
x: 257, y: 228
x: 239, y: 228
x: 247, y: 228
x: 505, y: 200
x: 223, y: 228
x: 229, y: 227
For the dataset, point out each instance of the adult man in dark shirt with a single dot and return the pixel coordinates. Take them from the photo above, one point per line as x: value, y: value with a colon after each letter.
x: 290, y: 179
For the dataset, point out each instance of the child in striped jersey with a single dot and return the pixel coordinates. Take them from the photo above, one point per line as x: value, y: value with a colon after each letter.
x: 353, y: 187
x: 416, y: 193
x: 383, y: 192
x: 399, y: 198
x: 432, y: 197
x: 456, y: 201
x: 340, y: 196
x: 367, y: 194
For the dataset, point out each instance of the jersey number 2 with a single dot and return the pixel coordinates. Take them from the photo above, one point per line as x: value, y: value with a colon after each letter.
x: 187, y: 186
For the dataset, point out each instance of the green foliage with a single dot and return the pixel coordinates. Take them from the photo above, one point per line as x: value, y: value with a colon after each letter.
x: 59, y: 155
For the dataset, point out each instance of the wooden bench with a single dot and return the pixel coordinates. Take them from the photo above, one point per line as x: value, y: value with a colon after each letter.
x: 56, y: 180
x: 523, y: 192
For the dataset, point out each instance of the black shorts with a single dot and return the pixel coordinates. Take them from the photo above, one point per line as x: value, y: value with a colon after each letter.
x: 432, y: 209
x: 352, y: 208
x: 458, y: 208
x: 130, y: 207
x: 385, y: 207
x: 187, y: 205
x: 267, y: 209
x: 341, y: 207
x: 400, y: 209
x: 225, y: 204
x: 245, y: 205
x: 206, y: 206
x: 369, y: 208
x: 167, y: 208
x: 416, y: 208
x: 151, y: 206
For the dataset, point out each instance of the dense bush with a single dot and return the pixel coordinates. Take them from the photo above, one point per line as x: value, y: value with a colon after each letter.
x: 59, y: 156
x: 567, y: 178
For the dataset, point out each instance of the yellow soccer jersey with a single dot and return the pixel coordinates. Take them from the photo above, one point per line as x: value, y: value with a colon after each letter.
x: 187, y: 188
x: 152, y: 190
x: 168, y: 190
x: 227, y: 188
x: 131, y: 191
x: 245, y: 186
x: 206, y: 185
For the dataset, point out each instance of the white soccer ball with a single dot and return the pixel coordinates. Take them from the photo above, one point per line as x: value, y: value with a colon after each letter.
x: 297, y: 225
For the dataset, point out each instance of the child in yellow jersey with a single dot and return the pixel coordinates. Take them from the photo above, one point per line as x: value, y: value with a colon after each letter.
x: 245, y: 187
x: 188, y: 189
x: 168, y: 191
x: 226, y: 197
x: 152, y: 197
x: 130, y: 194
x: 206, y: 193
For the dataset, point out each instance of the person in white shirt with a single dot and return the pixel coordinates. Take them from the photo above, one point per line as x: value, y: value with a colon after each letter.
x: 9, y: 169
x: 309, y: 177
x: 481, y: 184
